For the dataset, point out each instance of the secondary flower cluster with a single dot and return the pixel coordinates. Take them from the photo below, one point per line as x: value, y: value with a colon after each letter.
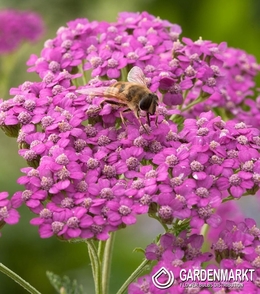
x: 237, y: 247
x: 8, y: 213
x: 90, y: 174
x: 18, y: 26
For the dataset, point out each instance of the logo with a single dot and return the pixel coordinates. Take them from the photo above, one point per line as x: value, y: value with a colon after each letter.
x: 157, y: 275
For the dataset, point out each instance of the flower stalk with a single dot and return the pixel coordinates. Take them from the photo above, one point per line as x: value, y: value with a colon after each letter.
x: 16, y: 278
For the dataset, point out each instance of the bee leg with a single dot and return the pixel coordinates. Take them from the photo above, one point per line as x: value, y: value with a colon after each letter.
x: 140, y: 122
x: 137, y: 116
x: 148, y: 119
x: 122, y: 118
x: 143, y: 126
x: 156, y: 119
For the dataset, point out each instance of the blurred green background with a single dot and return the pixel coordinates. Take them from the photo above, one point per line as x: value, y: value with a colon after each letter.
x: 235, y: 21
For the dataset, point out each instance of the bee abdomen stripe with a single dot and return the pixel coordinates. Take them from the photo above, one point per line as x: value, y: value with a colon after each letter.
x: 135, y: 91
x: 122, y: 88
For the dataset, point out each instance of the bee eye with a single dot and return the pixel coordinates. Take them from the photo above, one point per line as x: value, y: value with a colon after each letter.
x: 145, y: 103
x: 149, y: 103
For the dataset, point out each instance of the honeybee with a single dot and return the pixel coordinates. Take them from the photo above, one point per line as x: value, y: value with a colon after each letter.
x: 132, y: 95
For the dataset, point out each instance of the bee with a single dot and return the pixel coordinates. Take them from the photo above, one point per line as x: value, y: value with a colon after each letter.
x: 132, y: 95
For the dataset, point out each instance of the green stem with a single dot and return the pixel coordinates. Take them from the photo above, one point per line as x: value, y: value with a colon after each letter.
x: 124, y: 74
x: 204, y: 232
x: 133, y: 276
x: 106, y: 262
x: 230, y: 197
x: 159, y: 220
x: 84, y: 78
x: 18, y: 279
x: 101, y: 249
x: 96, y: 266
x: 197, y: 101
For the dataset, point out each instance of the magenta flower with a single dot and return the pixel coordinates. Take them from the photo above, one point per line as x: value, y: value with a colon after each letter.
x: 237, y: 183
x: 8, y: 212
x: 173, y: 95
x: 18, y: 26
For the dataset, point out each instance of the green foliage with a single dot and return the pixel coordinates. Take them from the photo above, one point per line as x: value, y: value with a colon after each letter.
x: 63, y: 285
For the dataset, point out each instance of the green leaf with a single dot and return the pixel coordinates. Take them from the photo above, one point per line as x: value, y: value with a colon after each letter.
x: 139, y: 249
x: 63, y: 285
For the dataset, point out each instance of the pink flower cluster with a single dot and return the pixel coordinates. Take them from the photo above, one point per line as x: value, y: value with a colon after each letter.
x: 89, y: 175
x: 18, y: 26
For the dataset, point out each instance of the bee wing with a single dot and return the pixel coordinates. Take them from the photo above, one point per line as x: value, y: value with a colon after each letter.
x: 136, y: 76
x: 110, y: 94
x: 100, y: 91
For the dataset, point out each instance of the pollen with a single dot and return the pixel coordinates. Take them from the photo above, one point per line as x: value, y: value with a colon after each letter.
x: 30, y: 155
x: 196, y: 166
x: 235, y: 180
x: 220, y: 245
x: 132, y: 163
x: 96, y: 229
x: 46, y: 121
x: 242, y: 140
x: 138, y: 184
x: 202, y: 192
x: 90, y: 131
x: 95, y: 62
x: 106, y: 193
x: 109, y: 171
x: 103, y: 140
x: 202, y: 131
x: 26, y: 195
x: 46, y: 183
x: 4, y: 212
x: 24, y: 117
x: 151, y: 174
x: 92, y: 163
x: 172, y: 160
x: 216, y: 159
x: 145, y: 199
x: 45, y: 213
x: 64, y: 126
x: 73, y: 222
x: 62, y: 159
x: 112, y: 63
x: 80, y: 144
x: 54, y: 66
x: 87, y: 202
x: 165, y: 212
x: 256, y: 262
x: 29, y: 105
x: 124, y: 210
x: 57, y: 227
x: 177, y: 181
x: 155, y: 146
x: 205, y: 212
x: 67, y: 203
x: 248, y: 166
x: 82, y: 186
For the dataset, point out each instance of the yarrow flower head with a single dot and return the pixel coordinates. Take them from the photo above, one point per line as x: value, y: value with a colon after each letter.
x: 88, y: 152
x: 18, y: 26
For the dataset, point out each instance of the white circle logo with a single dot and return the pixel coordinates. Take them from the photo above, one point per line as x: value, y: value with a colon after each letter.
x: 168, y: 283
